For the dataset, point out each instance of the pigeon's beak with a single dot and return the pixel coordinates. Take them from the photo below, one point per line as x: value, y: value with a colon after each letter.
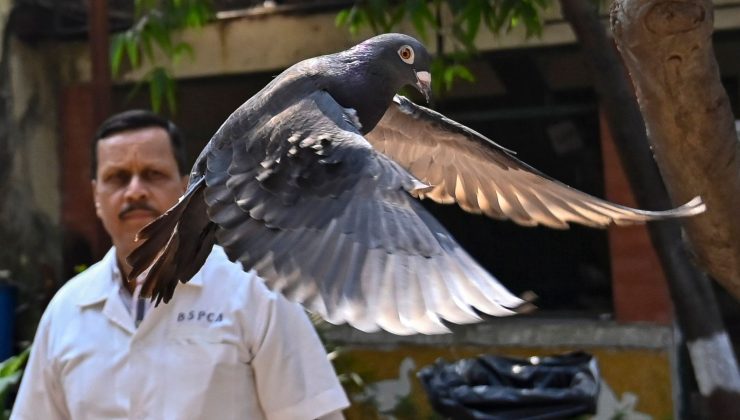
x: 424, y: 84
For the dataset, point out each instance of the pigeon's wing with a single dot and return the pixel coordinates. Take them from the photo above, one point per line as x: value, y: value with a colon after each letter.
x: 329, y: 222
x: 464, y: 166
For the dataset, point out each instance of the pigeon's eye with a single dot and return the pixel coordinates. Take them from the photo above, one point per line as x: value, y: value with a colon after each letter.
x: 407, y: 54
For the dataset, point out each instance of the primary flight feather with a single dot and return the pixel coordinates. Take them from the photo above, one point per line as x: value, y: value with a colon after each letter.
x: 312, y: 182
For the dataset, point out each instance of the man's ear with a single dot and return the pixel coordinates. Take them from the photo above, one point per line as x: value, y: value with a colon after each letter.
x: 94, y: 186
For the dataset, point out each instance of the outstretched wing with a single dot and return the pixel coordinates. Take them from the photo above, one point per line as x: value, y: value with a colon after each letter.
x: 329, y: 222
x: 464, y: 166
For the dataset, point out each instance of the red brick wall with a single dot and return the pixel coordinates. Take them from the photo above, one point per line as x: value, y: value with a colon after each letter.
x: 639, y: 286
x: 85, y: 240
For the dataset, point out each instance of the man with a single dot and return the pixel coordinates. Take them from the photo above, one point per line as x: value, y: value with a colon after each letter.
x: 225, y: 347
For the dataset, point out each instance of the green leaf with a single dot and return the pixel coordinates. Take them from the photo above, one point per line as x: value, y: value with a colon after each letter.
x: 147, y: 48
x: 195, y: 17
x: 472, y: 15
x: 132, y: 49
x: 182, y: 49
x: 9, y: 380
x: 170, y: 92
x: 503, y: 14
x: 342, y: 17
x: 162, y: 88
x: 116, y: 53
x: 396, y: 15
x: 376, y: 10
x: 137, y: 88
x: 437, y: 69
x: 531, y: 18
x: 361, y: 18
x: 157, y: 87
x: 14, y: 364
x: 421, y: 16
x: 355, y: 18
x: 138, y: 7
x: 514, y: 21
x: 157, y: 31
x: 462, y: 72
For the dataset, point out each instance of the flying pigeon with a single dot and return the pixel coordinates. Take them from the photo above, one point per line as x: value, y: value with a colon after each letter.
x: 314, y: 183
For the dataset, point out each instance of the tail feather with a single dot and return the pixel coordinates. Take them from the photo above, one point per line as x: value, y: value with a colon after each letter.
x: 153, y: 238
x: 173, y: 251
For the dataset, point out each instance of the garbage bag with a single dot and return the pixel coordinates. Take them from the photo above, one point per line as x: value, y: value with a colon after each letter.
x: 497, y: 387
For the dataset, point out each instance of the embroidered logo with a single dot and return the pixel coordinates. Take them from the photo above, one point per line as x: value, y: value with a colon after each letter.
x: 209, y: 317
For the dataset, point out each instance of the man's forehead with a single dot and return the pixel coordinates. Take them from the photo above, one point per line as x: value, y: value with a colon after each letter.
x: 150, y: 144
x: 144, y: 135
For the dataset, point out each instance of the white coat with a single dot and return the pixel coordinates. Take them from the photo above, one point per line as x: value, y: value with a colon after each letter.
x: 225, y: 347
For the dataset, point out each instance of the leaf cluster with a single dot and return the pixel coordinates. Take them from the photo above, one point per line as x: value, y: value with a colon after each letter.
x: 455, y: 24
x: 153, y: 29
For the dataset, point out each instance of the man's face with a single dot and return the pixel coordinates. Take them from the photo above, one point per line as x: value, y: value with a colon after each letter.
x: 137, y: 180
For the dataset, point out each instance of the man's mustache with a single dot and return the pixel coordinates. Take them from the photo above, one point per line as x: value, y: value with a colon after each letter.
x: 128, y: 208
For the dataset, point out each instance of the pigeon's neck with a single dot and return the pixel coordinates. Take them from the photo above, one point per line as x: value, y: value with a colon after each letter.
x: 367, y: 91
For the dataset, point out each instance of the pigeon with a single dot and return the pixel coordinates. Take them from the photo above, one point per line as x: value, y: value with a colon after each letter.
x: 314, y: 183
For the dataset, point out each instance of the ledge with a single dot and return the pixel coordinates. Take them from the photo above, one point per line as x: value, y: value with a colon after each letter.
x: 524, y: 332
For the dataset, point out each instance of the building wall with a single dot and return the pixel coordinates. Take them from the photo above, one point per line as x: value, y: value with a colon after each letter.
x: 236, y: 45
x: 30, y: 202
x: 34, y: 93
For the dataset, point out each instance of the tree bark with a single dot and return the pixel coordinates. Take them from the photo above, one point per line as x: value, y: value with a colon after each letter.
x: 696, y: 309
x: 667, y: 48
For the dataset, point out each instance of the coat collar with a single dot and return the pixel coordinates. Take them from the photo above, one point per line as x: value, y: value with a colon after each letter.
x: 103, y: 280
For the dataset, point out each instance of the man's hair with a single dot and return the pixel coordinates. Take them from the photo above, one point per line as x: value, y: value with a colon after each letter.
x: 132, y: 120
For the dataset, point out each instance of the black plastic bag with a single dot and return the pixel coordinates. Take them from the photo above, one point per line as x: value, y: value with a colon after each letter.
x: 496, y: 387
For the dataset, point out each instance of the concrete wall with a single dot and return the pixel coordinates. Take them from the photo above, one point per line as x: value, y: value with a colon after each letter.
x: 268, y: 41
x: 29, y: 192
x: 34, y: 92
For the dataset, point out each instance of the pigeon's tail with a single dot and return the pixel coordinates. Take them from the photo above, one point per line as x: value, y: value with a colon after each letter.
x: 175, y: 251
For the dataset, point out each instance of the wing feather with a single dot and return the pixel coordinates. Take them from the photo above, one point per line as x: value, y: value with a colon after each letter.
x: 290, y: 188
x: 464, y: 166
x: 330, y: 222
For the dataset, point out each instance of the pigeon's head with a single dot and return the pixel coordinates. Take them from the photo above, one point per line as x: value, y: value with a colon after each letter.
x: 403, y: 59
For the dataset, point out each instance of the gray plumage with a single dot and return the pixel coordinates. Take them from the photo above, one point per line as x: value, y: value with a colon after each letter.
x: 312, y: 182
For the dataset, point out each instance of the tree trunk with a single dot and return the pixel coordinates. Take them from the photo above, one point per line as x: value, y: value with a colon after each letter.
x: 667, y: 48
x: 697, y: 313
